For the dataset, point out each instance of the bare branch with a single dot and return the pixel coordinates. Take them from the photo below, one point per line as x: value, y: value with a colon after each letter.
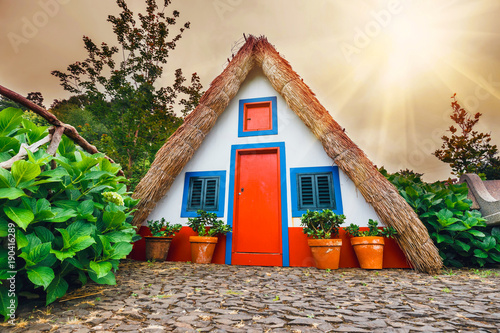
x: 23, y: 151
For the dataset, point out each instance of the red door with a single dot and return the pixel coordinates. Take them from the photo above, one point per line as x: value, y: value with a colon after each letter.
x: 257, y: 213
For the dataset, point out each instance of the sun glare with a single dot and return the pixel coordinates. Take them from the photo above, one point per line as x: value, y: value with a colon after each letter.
x: 414, y: 44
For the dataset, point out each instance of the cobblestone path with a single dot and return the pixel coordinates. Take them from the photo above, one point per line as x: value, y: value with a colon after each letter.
x: 184, y: 297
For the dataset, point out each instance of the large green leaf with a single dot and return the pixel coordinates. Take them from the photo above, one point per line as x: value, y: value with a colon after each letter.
x: 480, y: 253
x: 10, y: 118
x: 36, y: 254
x: 4, y: 228
x: 462, y: 245
x: 7, y: 144
x: 56, y: 289
x: 113, y: 220
x: 66, y: 146
x: 495, y: 232
x: 108, y: 279
x: 101, y: 268
x: 11, y: 193
x: 487, y: 243
x: 81, y: 243
x: 22, y: 217
x: 44, y: 234
x: 495, y: 256
x: 21, y: 239
x: 85, y: 162
x: 24, y: 171
x: 6, y: 179
x: 8, y: 302
x: 106, y: 165
x: 121, y: 250
x: 92, y: 175
x: 476, y: 233
x: 58, y: 172
x: 35, y: 133
x: 62, y: 215
x: 118, y: 236
x: 41, y: 276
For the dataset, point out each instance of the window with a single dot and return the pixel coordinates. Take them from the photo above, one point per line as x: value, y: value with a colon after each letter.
x: 258, y: 116
x: 315, y: 188
x: 203, y: 193
x: 203, y: 190
x: 315, y: 191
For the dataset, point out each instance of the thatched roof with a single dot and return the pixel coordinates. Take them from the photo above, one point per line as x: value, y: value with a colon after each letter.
x: 392, y: 209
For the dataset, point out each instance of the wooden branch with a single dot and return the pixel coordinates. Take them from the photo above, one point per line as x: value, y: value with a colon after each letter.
x: 69, y: 130
x: 23, y: 151
x: 56, y: 139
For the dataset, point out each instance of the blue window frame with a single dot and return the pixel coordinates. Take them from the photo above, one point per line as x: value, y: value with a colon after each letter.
x: 203, y: 190
x: 315, y: 188
x: 246, y: 106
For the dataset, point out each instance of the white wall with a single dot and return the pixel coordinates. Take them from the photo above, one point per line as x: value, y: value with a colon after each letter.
x: 302, y: 150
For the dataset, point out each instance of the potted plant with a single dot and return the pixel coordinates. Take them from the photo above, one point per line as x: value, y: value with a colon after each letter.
x: 158, y: 244
x: 369, y: 244
x: 208, y: 227
x: 321, y: 226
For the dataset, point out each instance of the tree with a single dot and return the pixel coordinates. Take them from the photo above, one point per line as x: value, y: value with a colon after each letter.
x: 466, y: 150
x: 36, y: 97
x: 122, y: 96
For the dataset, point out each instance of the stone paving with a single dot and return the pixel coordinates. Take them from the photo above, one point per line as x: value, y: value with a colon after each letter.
x: 184, y: 297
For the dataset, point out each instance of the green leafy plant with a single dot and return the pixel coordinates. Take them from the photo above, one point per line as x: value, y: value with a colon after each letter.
x: 373, y: 230
x: 207, y: 224
x: 66, y: 231
x: 321, y: 224
x: 460, y: 233
x: 162, y: 228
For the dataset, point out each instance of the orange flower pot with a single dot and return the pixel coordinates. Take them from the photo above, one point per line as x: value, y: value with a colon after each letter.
x: 326, y: 252
x: 369, y: 250
x: 157, y: 247
x: 202, y: 249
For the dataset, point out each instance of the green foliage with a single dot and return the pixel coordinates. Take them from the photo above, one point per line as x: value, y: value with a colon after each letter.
x: 373, y: 230
x: 206, y: 224
x: 321, y: 224
x: 65, y: 229
x: 460, y: 234
x: 468, y: 151
x: 122, y: 94
x: 162, y: 228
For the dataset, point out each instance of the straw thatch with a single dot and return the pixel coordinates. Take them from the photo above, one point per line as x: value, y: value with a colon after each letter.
x: 380, y: 193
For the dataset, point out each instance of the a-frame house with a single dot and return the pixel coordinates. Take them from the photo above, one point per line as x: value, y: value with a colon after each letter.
x: 260, y: 150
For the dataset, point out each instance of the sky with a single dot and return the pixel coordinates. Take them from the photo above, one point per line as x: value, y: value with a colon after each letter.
x: 384, y: 69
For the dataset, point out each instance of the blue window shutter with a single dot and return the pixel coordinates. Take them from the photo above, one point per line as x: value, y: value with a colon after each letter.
x: 324, y: 187
x: 211, y: 194
x: 306, y: 192
x: 315, y: 191
x: 203, y: 194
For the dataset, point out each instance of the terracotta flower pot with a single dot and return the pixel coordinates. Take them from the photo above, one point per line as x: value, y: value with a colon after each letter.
x: 157, y: 247
x: 202, y: 249
x: 369, y: 250
x: 326, y: 252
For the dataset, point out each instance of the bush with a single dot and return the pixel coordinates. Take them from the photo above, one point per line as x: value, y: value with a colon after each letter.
x: 321, y: 224
x: 460, y: 234
x: 207, y: 224
x: 65, y: 229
